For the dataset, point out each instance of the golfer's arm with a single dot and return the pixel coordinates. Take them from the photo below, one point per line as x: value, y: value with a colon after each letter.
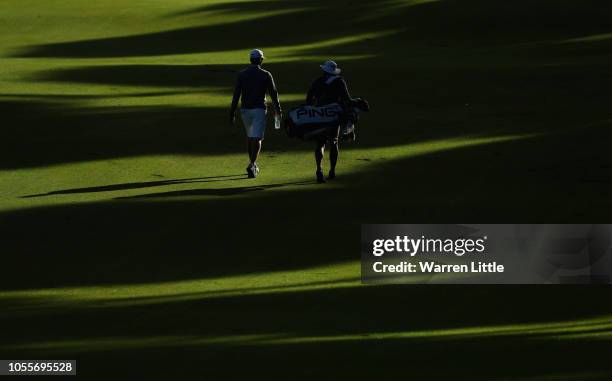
x: 236, y: 97
x: 274, y: 95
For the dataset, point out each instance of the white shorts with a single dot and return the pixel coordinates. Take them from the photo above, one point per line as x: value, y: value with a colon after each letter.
x: 254, y: 120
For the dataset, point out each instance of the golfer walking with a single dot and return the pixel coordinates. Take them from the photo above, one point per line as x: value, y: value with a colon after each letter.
x: 330, y: 87
x: 251, y: 87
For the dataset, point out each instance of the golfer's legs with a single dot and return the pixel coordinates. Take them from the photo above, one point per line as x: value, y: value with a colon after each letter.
x: 254, y: 122
x: 254, y: 149
x: 255, y: 125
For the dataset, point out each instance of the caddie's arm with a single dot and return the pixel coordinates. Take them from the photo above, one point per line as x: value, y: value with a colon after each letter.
x: 344, y: 93
x: 310, y: 96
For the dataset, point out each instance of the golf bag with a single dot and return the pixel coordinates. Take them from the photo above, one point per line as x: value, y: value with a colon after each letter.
x: 309, y: 122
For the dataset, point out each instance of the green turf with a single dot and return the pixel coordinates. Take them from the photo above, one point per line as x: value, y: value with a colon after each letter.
x: 130, y: 233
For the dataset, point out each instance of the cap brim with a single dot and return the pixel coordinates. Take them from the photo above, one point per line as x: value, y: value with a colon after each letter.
x: 336, y: 72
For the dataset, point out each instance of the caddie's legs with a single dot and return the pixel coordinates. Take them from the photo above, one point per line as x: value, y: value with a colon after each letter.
x: 333, y: 158
x: 333, y: 134
x: 319, y: 152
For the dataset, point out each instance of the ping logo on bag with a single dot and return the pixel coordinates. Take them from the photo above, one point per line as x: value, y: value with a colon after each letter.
x: 318, y: 112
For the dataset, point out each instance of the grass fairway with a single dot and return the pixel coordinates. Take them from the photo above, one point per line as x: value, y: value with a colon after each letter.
x: 126, y: 218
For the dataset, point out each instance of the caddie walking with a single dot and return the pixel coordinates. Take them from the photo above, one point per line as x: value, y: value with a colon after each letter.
x: 329, y: 88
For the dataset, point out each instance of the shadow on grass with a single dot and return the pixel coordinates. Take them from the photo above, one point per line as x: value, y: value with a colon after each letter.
x: 537, y: 180
x: 215, y: 192
x: 340, y: 325
x: 472, y: 70
x: 445, y: 22
x: 62, y: 97
x: 478, y: 359
x: 199, y: 76
x: 469, y: 101
x: 139, y: 185
x: 147, y: 241
x: 43, y: 132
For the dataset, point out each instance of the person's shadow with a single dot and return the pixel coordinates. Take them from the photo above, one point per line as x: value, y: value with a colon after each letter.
x: 215, y: 192
x: 138, y: 185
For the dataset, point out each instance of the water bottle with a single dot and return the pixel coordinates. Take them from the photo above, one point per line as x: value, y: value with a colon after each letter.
x: 277, y: 121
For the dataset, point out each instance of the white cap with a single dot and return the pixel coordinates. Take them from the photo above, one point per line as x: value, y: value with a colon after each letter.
x: 256, y: 53
x: 330, y: 67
